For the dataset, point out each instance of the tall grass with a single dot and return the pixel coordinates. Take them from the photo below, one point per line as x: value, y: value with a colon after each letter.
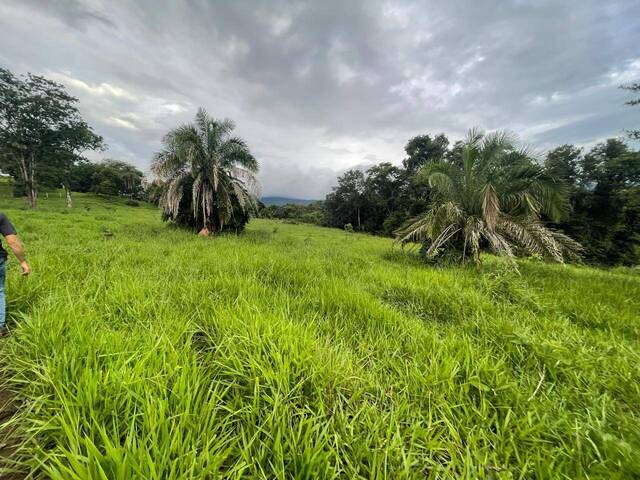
x: 299, y: 352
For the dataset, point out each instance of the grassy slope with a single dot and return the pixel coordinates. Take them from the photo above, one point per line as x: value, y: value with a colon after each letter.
x: 300, y: 352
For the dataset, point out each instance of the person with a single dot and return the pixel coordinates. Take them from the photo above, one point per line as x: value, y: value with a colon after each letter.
x: 10, y: 235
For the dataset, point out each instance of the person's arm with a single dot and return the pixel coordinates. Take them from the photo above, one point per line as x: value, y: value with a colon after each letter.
x: 16, y: 246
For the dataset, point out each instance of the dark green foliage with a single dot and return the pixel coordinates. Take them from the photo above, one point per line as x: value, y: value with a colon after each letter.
x: 382, y: 188
x: 605, y: 196
x: 376, y: 201
x: 564, y: 163
x: 347, y: 200
x: 109, y: 177
x: 313, y: 213
x: 423, y: 149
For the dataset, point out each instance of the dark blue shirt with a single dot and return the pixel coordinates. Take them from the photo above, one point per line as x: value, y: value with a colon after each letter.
x: 6, y: 228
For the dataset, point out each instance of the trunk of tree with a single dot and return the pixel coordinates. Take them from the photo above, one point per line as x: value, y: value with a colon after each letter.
x: 32, y: 181
x: 28, y: 173
x: 68, y: 193
x: 358, y: 218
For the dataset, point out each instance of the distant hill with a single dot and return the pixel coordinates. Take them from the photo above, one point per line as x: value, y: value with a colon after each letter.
x: 284, y: 200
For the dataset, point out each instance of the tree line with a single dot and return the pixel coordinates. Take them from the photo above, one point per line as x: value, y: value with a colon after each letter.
x: 591, y: 197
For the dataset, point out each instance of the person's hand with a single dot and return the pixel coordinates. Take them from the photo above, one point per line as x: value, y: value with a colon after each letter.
x: 26, y: 269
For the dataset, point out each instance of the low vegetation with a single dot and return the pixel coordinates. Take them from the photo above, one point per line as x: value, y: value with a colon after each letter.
x: 138, y: 350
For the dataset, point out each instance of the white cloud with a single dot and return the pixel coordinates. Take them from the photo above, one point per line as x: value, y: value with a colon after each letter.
x: 99, y: 90
x: 630, y: 72
x: 120, y: 122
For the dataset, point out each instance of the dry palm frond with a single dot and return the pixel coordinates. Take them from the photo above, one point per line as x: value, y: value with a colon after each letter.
x: 444, y: 236
x: 172, y: 195
x: 490, y: 206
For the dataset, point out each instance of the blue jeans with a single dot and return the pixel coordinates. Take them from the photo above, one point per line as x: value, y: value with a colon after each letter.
x: 2, y: 307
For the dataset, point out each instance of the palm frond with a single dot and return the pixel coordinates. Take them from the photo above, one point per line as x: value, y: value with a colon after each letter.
x: 442, y: 182
x: 249, y: 181
x: 474, y: 137
x: 415, y: 230
x: 235, y: 152
x: 444, y: 236
x: 490, y: 206
x: 172, y: 195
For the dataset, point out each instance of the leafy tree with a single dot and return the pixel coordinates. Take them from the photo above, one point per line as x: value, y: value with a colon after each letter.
x: 424, y: 149
x: 347, y: 200
x: 635, y: 88
x: 380, y: 199
x: 495, y: 200
x: 41, y: 131
x: 382, y: 187
x: 114, y: 177
x: 564, y: 162
x: 208, y: 174
x: 82, y: 176
x: 313, y: 213
x: 109, y: 177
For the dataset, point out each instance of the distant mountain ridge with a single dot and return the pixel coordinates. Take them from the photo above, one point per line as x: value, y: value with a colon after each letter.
x: 285, y: 200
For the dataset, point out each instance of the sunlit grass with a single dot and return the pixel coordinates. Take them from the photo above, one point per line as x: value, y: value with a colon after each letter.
x: 299, y: 352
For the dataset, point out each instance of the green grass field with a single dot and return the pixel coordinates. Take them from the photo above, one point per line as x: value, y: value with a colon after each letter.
x: 296, y: 352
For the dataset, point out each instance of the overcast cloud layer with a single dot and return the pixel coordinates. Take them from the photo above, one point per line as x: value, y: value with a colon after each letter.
x: 320, y: 86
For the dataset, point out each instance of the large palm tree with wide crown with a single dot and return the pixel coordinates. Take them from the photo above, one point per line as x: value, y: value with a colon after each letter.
x: 208, y: 175
x: 493, y: 196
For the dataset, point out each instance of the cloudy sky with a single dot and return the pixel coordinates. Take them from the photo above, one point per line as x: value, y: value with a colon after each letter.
x: 317, y: 87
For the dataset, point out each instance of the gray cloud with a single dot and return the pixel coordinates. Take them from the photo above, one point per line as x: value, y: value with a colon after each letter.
x: 318, y: 87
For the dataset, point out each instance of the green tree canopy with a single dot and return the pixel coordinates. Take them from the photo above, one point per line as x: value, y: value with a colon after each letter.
x: 564, y: 162
x: 605, y: 199
x: 345, y: 203
x: 424, y: 149
x: 41, y: 130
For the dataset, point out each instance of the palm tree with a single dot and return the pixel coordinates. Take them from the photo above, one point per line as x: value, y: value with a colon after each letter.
x: 208, y: 175
x: 493, y: 196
